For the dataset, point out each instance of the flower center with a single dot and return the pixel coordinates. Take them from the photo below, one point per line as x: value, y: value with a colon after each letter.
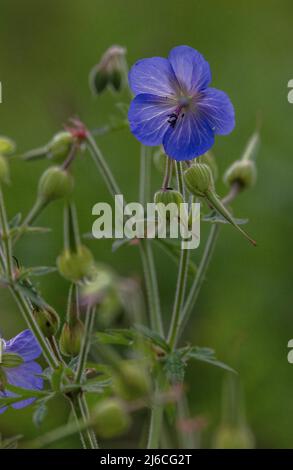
x: 183, y: 104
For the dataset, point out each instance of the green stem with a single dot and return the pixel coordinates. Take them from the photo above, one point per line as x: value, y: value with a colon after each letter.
x: 85, y: 346
x: 7, y: 247
x: 156, y: 421
x: 204, y: 263
x: 144, y: 178
x: 35, y: 211
x: 32, y: 324
x: 102, y: 166
x: 151, y: 285
x: 168, y: 173
x: 87, y: 438
x: 181, y: 278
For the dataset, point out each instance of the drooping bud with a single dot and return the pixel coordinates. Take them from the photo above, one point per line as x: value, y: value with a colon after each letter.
x: 4, y: 170
x: 163, y: 198
x: 209, y: 159
x: 55, y: 183
x: 76, y: 265
x: 110, y: 71
x: 47, y: 319
x: 71, y: 338
x: 111, y: 418
x: 7, y: 146
x: 199, y: 181
x: 59, y: 147
x: 244, y: 171
x: 131, y: 381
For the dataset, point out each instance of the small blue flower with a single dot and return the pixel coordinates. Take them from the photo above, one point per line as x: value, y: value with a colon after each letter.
x: 174, y: 106
x: 26, y: 373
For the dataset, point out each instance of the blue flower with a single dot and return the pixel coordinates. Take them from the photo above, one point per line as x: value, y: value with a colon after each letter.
x: 19, y: 368
x: 174, y: 106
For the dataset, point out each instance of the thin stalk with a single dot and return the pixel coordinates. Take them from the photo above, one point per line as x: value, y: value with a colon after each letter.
x: 82, y: 423
x: 102, y: 166
x: 168, y: 173
x: 151, y: 285
x: 181, y: 278
x: 91, y: 432
x: 7, y: 247
x: 85, y: 346
x: 156, y: 421
x: 204, y: 263
x: 35, y: 211
x: 144, y: 177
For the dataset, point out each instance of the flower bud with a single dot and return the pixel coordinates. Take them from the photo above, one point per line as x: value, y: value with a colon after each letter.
x: 59, y: 147
x: 7, y: 146
x: 110, y: 71
x: 242, y: 172
x: 4, y: 170
x: 55, y: 183
x: 11, y: 360
x: 71, y: 338
x: 209, y: 159
x: 76, y: 265
x: 111, y: 418
x: 168, y: 196
x: 132, y: 381
x: 239, y: 437
x: 47, y: 319
x: 199, y: 179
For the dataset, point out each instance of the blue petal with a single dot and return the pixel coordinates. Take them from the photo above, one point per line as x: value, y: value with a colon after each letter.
x: 190, y: 137
x: 24, y: 344
x: 191, y: 69
x: 148, y: 117
x: 25, y: 376
x: 217, y: 108
x: 153, y: 76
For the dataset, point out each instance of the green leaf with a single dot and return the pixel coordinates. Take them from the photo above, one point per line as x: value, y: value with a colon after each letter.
x: 40, y: 413
x: 214, y: 217
x: 152, y: 336
x: 96, y: 386
x: 37, y: 271
x: 24, y: 392
x: 124, y: 337
x: 205, y: 355
x: 11, y: 442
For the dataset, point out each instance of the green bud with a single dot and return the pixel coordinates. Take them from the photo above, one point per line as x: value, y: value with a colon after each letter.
x: 71, y: 338
x: 242, y: 172
x: 47, y: 319
x: 168, y: 196
x: 132, y: 381
x: 75, y: 266
x: 239, y: 437
x: 111, y: 418
x: 11, y: 360
x: 110, y: 71
x: 55, y: 183
x: 209, y: 159
x: 7, y: 146
x: 4, y: 170
x: 59, y: 147
x: 199, y: 179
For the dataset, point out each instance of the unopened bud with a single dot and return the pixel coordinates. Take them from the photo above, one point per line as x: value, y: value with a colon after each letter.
x: 242, y: 172
x: 111, y: 418
x: 168, y: 196
x: 110, y: 71
x: 209, y: 159
x: 132, y: 381
x: 76, y: 265
x: 71, y: 338
x: 59, y: 147
x: 199, y: 179
x: 47, y: 319
x: 55, y: 183
x: 7, y: 146
x: 4, y: 170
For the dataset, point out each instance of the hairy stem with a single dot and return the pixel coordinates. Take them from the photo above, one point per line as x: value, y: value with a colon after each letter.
x: 87, y: 437
x: 6, y: 240
x: 85, y: 346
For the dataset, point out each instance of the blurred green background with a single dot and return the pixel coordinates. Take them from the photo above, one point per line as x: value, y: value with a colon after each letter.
x: 245, y: 308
